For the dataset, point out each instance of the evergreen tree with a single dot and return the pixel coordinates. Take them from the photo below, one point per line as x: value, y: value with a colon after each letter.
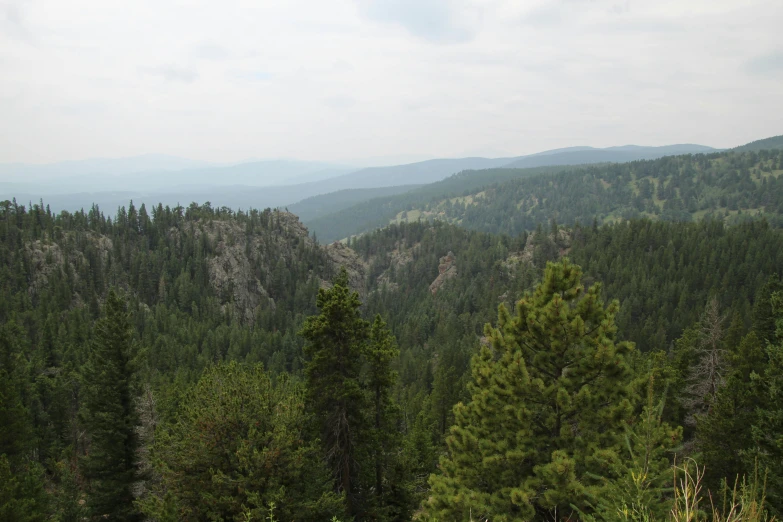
x: 21, y: 479
x: 15, y: 422
x: 22, y: 497
x: 549, y: 403
x: 110, y: 417
x: 336, y: 340
x: 724, y: 435
x: 237, y: 450
x: 768, y: 428
x: 644, y: 474
x: 380, y: 352
x: 763, y: 315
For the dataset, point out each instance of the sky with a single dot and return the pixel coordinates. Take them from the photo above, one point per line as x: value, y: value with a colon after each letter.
x: 336, y: 80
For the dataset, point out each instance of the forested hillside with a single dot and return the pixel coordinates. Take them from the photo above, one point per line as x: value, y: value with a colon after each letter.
x: 775, y: 142
x: 202, y: 335
x: 379, y: 212
x: 324, y: 204
x: 732, y: 186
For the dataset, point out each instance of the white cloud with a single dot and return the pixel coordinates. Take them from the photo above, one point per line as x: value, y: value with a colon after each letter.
x: 228, y: 80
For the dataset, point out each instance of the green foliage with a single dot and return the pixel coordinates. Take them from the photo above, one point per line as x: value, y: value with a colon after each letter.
x: 379, y: 211
x: 335, y: 342
x: 15, y: 420
x: 384, y: 438
x: 238, y: 447
x: 734, y: 186
x: 665, y: 273
x: 724, y: 434
x: 643, y: 486
x: 22, y: 497
x: 768, y: 427
x: 110, y: 416
x: 207, y: 285
x: 549, y: 401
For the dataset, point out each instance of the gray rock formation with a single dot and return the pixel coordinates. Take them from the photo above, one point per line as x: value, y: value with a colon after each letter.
x: 446, y: 270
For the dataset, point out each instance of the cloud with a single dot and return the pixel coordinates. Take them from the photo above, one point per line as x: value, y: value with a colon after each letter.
x: 321, y: 80
x: 340, y: 101
x: 12, y: 21
x: 173, y: 73
x: 210, y: 51
x: 543, y: 15
x: 766, y: 64
x: 252, y: 76
x: 83, y: 108
x: 436, y: 21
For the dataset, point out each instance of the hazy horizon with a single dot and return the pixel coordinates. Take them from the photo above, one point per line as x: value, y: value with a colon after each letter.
x: 360, y: 79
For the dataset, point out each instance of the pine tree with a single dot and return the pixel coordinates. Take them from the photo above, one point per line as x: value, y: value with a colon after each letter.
x: 549, y: 403
x: 238, y: 447
x: 763, y: 315
x: 384, y: 437
x: 110, y: 417
x: 644, y: 474
x: 724, y: 435
x: 335, y: 343
x: 768, y: 427
x: 21, y: 479
x: 15, y: 422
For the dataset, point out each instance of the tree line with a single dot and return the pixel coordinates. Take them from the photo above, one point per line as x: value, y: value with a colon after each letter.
x: 384, y: 402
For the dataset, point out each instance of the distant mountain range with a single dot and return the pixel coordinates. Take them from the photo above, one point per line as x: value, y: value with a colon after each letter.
x: 269, y: 183
x: 732, y: 185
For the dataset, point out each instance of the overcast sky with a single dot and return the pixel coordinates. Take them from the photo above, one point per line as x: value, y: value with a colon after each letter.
x: 335, y: 80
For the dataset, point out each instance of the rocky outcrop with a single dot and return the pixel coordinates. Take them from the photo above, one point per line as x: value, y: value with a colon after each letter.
x: 446, y: 270
x: 233, y: 280
x: 242, y: 263
x: 46, y: 258
x: 561, y: 242
x: 342, y: 256
x: 398, y: 258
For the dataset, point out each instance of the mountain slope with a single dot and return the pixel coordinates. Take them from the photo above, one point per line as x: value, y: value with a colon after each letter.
x: 153, y: 179
x: 205, y: 287
x: 378, y: 212
x: 728, y: 185
x: 775, y: 142
x: 324, y: 204
x: 435, y: 170
x: 609, y: 155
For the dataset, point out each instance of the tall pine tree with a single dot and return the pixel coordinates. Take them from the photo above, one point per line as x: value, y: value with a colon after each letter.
x: 768, y: 428
x: 336, y: 340
x: 110, y: 416
x: 384, y: 438
x: 549, y: 403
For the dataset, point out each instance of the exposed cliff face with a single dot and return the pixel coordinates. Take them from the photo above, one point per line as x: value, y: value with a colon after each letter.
x: 398, y: 258
x: 48, y: 258
x: 244, y: 267
x: 341, y: 255
x: 446, y: 270
x: 555, y: 245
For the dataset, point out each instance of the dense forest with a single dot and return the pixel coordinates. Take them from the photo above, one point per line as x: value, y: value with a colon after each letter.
x: 202, y: 364
x: 380, y: 211
x: 732, y: 186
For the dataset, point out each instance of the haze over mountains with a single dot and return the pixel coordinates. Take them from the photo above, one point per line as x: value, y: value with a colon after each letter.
x: 171, y: 180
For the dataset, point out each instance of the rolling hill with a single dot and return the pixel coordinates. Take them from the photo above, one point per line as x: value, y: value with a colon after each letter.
x: 728, y: 185
x: 258, y: 184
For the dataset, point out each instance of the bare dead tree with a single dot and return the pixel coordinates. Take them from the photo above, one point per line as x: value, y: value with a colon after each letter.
x: 148, y: 421
x: 707, y: 376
